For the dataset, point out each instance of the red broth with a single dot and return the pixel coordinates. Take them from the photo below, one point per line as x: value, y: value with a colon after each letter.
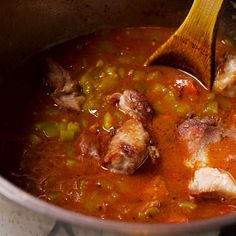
x: 52, y: 167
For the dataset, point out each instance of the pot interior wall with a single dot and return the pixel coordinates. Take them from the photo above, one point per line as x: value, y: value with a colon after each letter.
x: 40, y: 24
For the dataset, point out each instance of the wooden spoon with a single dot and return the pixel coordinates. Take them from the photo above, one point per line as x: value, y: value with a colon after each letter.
x: 192, y: 46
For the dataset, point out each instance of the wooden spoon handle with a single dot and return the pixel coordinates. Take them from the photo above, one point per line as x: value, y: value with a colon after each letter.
x: 200, y: 22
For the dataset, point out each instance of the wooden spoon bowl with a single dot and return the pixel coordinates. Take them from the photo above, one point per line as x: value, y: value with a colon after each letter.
x: 192, y: 47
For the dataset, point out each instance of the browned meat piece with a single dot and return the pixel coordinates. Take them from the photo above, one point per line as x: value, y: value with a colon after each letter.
x: 133, y: 103
x: 213, y: 183
x: 198, y: 133
x: 128, y: 149
x: 66, y: 92
x: 225, y: 82
x: 89, y: 144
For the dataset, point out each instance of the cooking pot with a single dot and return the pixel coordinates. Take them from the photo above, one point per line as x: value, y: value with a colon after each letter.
x: 29, y: 26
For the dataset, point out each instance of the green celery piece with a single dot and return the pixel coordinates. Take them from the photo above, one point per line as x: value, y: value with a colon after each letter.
x: 211, y: 108
x: 188, y: 205
x: 67, y: 135
x: 49, y: 128
x: 70, y: 163
x: 107, y: 121
x: 34, y: 139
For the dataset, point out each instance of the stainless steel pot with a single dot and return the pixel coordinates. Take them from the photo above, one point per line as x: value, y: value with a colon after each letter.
x: 29, y: 26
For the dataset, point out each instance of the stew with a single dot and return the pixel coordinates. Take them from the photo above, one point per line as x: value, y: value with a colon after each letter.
x: 111, y: 138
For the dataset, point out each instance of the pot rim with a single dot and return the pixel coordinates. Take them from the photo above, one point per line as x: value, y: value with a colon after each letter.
x: 19, y: 196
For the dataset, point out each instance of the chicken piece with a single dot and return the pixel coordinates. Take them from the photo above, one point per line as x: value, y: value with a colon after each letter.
x: 133, y: 103
x: 66, y: 91
x: 213, y: 183
x: 225, y: 82
x: 89, y: 144
x: 198, y: 133
x: 129, y: 148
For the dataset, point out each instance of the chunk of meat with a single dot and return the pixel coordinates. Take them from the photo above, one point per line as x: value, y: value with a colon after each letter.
x: 66, y: 91
x: 128, y: 149
x: 133, y: 103
x: 213, y: 183
x: 225, y: 82
x: 198, y: 133
x: 89, y: 144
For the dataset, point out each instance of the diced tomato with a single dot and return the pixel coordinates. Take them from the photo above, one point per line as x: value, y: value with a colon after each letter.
x: 185, y: 87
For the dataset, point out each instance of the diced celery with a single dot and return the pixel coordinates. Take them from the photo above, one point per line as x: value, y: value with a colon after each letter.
x: 95, y: 202
x: 211, y: 96
x: 211, y: 108
x: 170, y: 97
x: 111, y: 70
x: 107, y: 121
x: 150, y: 210
x: 70, y: 163
x: 182, y: 108
x: 53, y: 195
x: 85, y: 83
x: 108, y: 82
x: 67, y: 135
x: 62, y: 126
x: 188, y: 205
x: 138, y: 75
x: 49, y: 128
x: 68, y: 130
x: 91, y: 103
x: 154, y: 75
x: 159, y: 88
x: 34, y: 139
x: 73, y: 126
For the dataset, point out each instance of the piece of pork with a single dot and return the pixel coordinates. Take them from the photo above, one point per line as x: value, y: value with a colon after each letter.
x: 225, y: 82
x: 129, y: 148
x: 133, y: 103
x: 198, y: 133
x: 89, y: 144
x: 66, y: 91
x: 213, y: 183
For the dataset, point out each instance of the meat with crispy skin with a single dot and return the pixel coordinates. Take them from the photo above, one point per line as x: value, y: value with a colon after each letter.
x: 213, y: 183
x: 129, y: 148
x: 133, y: 103
x: 198, y: 133
x: 66, y: 91
x: 225, y: 82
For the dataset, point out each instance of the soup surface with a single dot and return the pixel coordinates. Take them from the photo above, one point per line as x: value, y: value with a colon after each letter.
x: 70, y: 153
